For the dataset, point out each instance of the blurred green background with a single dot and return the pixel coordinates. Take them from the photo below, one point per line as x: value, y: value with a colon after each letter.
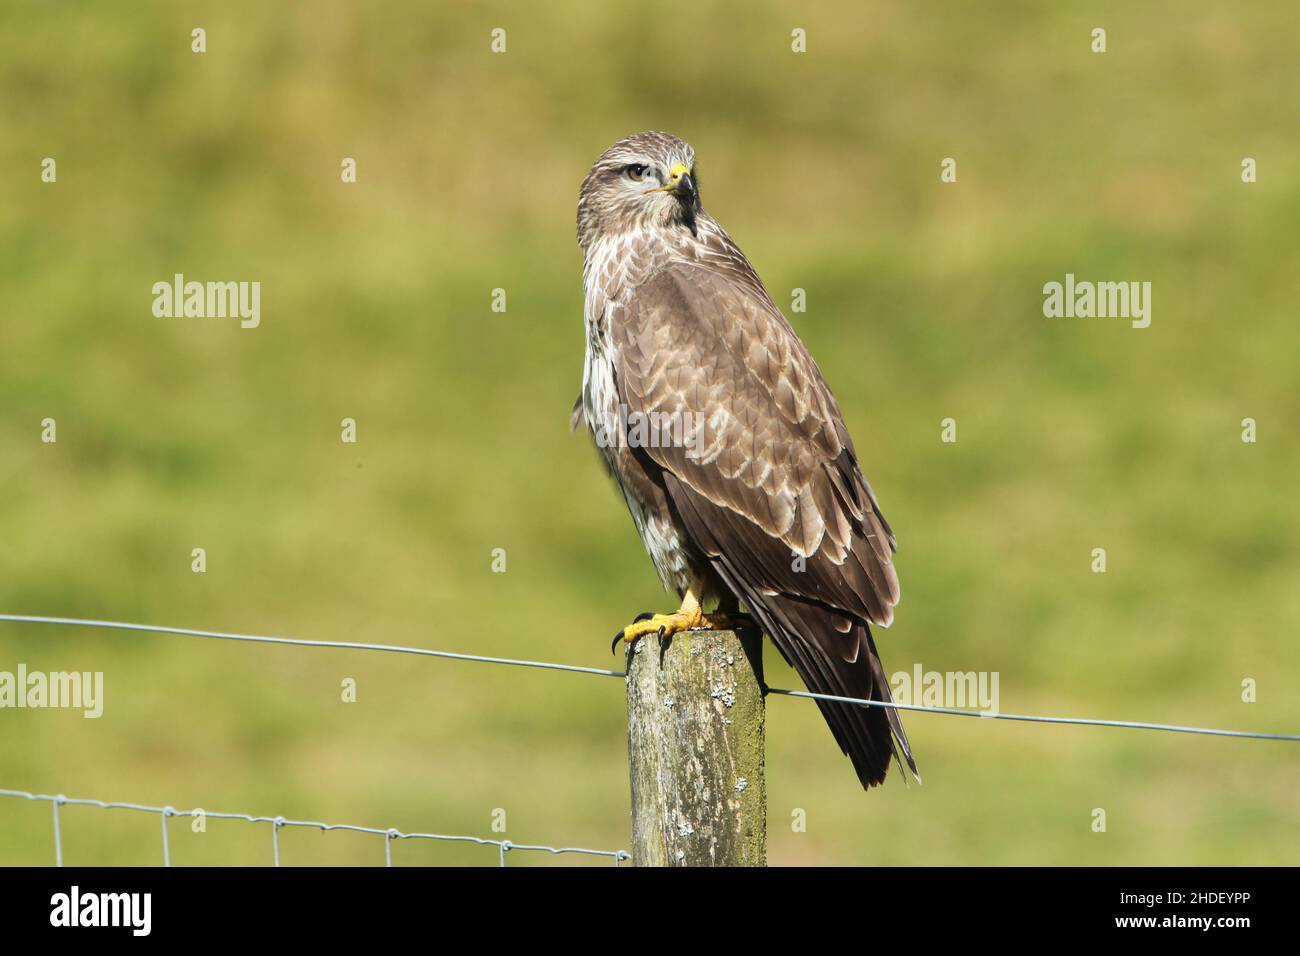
x: 924, y: 302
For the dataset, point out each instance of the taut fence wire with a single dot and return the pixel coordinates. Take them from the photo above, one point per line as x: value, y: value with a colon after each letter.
x: 545, y: 665
x: 503, y: 846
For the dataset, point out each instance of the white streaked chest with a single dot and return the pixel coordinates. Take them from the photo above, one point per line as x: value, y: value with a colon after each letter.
x: 609, y: 278
x: 613, y: 271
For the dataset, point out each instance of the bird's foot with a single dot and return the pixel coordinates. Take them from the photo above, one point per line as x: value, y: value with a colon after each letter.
x: 666, y: 625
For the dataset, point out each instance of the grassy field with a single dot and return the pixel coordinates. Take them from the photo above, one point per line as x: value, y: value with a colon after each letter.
x: 924, y: 302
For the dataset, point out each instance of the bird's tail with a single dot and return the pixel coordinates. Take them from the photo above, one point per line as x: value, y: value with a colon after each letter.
x: 811, y: 638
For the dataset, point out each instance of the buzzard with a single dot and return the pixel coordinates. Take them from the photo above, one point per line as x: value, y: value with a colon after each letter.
x: 730, y: 450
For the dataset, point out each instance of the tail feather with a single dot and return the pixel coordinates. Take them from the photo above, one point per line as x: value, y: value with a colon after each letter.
x: 870, y: 736
x: 818, y: 626
x: 803, y: 631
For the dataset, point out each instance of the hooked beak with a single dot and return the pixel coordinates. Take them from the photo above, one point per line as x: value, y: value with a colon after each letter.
x: 682, y: 185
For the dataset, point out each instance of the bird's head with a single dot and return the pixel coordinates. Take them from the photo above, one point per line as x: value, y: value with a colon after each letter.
x: 646, y: 180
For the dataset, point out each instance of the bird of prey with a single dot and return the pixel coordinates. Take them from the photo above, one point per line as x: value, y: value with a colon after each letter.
x: 725, y: 440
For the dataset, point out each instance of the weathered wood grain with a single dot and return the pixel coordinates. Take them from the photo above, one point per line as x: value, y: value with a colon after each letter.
x: 695, y: 750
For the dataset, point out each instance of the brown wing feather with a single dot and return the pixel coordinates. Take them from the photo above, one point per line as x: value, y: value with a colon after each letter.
x: 773, y: 478
x: 832, y: 651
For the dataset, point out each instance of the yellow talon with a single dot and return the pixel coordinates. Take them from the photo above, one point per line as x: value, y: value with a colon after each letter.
x: 668, y: 624
x: 689, y: 617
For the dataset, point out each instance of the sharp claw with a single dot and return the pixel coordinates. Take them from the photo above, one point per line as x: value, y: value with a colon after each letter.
x: 643, y: 616
x: 614, y: 646
x: 660, y: 635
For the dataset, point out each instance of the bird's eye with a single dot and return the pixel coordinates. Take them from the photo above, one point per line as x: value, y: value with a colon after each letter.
x: 636, y: 171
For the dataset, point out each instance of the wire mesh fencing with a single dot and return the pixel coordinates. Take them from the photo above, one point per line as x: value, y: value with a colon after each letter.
x: 390, y: 834
x: 503, y: 847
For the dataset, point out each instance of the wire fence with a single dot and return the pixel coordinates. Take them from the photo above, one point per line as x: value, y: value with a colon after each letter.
x: 503, y: 846
x: 546, y: 665
x: 277, y: 823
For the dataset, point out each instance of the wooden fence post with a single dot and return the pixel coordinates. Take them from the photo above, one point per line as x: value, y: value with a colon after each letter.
x: 695, y: 750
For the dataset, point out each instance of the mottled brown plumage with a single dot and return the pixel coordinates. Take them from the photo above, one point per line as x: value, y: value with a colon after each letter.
x: 766, y: 505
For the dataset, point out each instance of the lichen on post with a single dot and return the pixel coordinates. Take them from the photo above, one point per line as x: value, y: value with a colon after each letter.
x: 695, y: 750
